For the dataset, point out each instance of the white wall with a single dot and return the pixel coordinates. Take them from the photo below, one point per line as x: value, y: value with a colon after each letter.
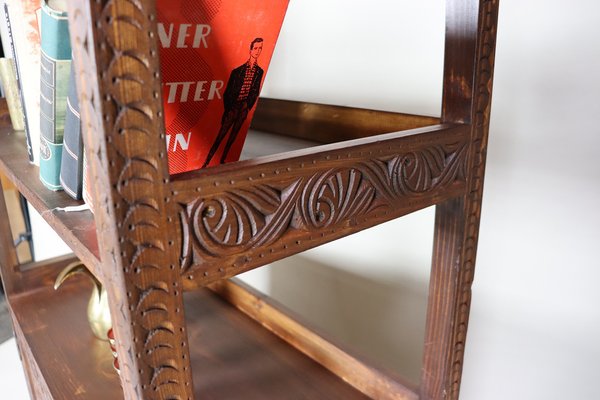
x: 535, y: 320
x: 368, y: 290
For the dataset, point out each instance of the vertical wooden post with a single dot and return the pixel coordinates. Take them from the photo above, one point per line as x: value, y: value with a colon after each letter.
x: 468, y: 73
x: 116, y: 57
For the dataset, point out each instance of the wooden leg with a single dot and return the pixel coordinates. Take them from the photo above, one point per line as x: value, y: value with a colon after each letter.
x: 469, y: 65
x: 446, y: 314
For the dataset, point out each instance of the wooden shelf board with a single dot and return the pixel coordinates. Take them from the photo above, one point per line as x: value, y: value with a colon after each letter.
x: 77, y: 229
x: 53, y: 324
x: 231, y: 354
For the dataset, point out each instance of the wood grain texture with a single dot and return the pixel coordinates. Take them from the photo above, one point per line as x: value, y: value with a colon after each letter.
x: 231, y: 354
x: 268, y: 209
x: 157, y: 236
x: 235, y: 358
x: 36, y: 383
x: 374, y: 383
x: 116, y: 58
x: 324, y: 123
x: 486, y: 47
x: 471, y: 41
x: 77, y: 229
x: 66, y: 359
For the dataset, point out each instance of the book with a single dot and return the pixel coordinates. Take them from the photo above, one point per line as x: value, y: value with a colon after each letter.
x: 22, y: 18
x: 13, y: 52
x: 71, y: 166
x: 54, y: 79
x: 4, y: 36
x: 8, y: 76
x: 214, y: 56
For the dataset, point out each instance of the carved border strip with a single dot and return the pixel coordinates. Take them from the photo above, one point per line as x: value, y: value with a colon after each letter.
x: 274, y: 209
x: 119, y: 91
x: 488, y: 16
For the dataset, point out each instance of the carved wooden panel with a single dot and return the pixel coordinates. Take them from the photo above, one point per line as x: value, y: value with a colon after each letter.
x: 115, y: 54
x: 266, y: 211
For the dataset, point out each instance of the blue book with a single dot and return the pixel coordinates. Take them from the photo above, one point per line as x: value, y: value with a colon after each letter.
x: 71, y: 166
x: 55, y: 69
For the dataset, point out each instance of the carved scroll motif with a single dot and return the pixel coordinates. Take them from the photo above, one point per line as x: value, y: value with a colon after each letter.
x: 234, y: 221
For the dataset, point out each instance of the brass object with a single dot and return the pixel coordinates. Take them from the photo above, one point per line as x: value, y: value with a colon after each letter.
x: 98, y: 313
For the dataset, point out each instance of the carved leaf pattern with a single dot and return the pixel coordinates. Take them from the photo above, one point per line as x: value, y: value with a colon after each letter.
x: 124, y: 150
x: 333, y: 196
x: 235, y: 221
x: 248, y: 210
x: 418, y: 172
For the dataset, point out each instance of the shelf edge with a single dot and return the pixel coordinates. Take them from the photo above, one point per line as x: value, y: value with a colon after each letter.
x: 369, y: 380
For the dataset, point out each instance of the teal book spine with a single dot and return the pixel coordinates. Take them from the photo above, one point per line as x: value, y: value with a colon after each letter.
x: 55, y: 69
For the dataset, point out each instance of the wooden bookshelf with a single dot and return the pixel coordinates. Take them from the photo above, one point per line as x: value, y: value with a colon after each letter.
x: 77, y: 229
x: 70, y: 363
x: 158, y: 242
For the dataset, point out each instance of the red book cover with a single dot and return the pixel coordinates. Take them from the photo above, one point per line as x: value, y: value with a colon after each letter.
x: 214, y: 55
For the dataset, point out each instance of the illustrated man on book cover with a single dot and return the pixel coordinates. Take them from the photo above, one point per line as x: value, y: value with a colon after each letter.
x: 240, y: 96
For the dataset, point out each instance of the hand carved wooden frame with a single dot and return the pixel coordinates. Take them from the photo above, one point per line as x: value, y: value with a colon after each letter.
x: 159, y: 237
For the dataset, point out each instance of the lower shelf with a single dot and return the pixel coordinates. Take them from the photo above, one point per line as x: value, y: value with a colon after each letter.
x: 233, y: 357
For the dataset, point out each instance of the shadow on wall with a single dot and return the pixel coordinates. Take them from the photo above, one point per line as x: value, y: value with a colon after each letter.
x: 383, y: 319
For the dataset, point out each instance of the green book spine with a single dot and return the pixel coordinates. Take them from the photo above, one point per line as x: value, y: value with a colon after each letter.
x: 55, y: 68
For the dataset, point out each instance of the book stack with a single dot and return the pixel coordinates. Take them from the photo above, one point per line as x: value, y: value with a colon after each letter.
x: 212, y: 72
x: 23, y: 39
x: 55, y: 68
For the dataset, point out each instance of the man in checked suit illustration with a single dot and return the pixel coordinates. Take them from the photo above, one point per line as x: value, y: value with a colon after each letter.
x: 240, y: 96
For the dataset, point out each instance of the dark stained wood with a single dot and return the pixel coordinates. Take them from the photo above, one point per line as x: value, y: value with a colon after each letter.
x: 77, y: 229
x: 65, y: 357
x: 459, y: 60
x: 38, y: 389
x: 443, y: 293
x: 469, y: 65
x: 67, y: 362
x: 234, y: 357
x: 157, y: 235
x: 238, y: 217
x: 115, y: 55
x: 374, y: 383
x: 42, y: 273
x: 328, y: 123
